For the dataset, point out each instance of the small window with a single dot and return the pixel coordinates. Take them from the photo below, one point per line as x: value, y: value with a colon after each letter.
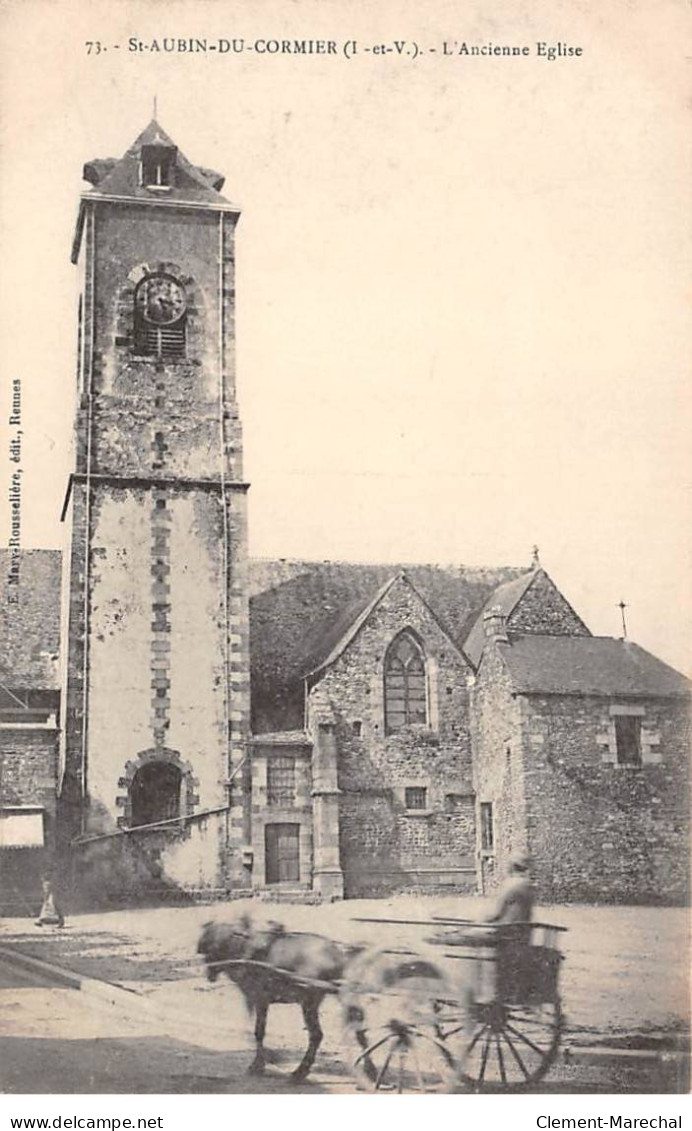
x: 357, y: 728
x: 415, y: 797
x: 487, y: 829
x: 281, y: 780
x: 628, y: 740
x: 157, y: 164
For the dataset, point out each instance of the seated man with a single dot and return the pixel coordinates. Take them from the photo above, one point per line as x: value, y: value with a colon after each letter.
x: 516, y: 899
x: 512, y: 914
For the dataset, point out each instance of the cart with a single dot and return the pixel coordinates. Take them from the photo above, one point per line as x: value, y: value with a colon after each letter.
x: 484, y: 1015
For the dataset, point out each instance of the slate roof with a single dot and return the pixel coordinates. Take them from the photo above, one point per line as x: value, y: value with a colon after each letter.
x: 113, y: 177
x: 30, y: 629
x: 589, y: 665
x: 506, y: 598
x: 300, y: 610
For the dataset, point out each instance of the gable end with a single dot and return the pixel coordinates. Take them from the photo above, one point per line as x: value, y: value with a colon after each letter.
x: 543, y: 610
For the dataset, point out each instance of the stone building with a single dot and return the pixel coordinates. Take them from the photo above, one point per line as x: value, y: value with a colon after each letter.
x: 29, y: 712
x: 464, y: 715
x: 156, y: 696
x: 318, y: 729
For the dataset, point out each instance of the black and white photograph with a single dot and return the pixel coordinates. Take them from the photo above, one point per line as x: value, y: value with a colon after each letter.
x: 345, y: 668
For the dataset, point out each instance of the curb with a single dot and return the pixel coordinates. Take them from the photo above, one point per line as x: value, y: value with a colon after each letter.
x: 105, y: 990
x: 118, y: 996
x: 64, y: 977
x: 585, y: 1054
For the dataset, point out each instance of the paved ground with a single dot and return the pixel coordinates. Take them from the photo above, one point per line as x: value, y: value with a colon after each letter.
x: 625, y: 984
x: 57, y: 1040
x: 626, y: 970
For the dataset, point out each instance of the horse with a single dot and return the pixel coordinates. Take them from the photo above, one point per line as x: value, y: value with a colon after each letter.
x: 288, y: 965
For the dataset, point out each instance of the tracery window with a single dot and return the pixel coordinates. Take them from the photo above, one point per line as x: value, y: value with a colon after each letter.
x: 405, y: 694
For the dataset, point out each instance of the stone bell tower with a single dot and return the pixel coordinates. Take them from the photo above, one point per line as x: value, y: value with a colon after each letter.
x: 155, y: 617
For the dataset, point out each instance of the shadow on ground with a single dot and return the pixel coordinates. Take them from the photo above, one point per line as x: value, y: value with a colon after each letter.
x: 136, y: 1065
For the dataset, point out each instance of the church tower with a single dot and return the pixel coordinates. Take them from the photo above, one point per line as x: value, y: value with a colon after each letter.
x: 155, y: 615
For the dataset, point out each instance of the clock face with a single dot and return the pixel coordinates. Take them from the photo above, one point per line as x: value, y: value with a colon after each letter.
x: 160, y: 299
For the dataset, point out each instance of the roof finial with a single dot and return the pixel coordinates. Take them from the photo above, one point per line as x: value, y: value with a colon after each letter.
x: 155, y: 108
x: 535, y: 560
x: 622, y: 606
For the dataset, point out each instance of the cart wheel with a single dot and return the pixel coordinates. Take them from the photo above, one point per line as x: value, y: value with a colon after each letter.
x: 397, y: 1033
x: 508, y: 1047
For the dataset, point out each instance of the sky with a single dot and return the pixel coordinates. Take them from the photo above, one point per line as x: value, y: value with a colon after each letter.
x: 463, y: 282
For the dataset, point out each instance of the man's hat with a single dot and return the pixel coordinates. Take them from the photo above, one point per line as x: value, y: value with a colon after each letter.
x: 520, y: 862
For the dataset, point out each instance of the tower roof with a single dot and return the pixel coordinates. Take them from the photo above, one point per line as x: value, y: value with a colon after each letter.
x: 152, y: 171
x: 126, y: 177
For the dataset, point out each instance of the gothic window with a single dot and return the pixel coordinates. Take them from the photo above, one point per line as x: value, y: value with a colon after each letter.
x: 160, y: 317
x: 404, y: 684
x: 628, y: 740
x: 155, y: 793
x: 281, y: 780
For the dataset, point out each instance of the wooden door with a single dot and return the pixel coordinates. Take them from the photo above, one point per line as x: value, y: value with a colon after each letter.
x: 282, y: 854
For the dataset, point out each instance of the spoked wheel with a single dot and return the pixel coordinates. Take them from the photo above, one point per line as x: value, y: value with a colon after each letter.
x: 396, y: 1033
x: 509, y: 1047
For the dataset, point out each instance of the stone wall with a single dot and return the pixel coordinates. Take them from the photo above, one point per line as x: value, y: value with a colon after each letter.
x: 166, y: 864
x: 28, y: 764
x: 384, y: 846
x: 542, y: 609
x: 598, y: 830
x: 156, y: 600
x: 28, y: 770
x: 499, y: 767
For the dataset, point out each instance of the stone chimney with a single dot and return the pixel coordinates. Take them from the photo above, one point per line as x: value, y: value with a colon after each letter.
x: 495, y: 625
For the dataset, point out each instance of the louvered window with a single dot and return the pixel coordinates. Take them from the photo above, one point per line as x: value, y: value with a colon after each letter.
x: 160, y: 317
x: 159, y: 341
x: 405, y: 684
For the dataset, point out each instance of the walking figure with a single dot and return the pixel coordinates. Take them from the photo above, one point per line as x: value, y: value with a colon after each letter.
x: 50, y: 914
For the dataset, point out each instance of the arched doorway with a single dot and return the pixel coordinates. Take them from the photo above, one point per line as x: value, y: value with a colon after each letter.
x: 155, y: 793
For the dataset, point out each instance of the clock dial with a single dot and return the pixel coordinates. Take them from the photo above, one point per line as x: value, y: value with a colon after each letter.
x: 161, y: 300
